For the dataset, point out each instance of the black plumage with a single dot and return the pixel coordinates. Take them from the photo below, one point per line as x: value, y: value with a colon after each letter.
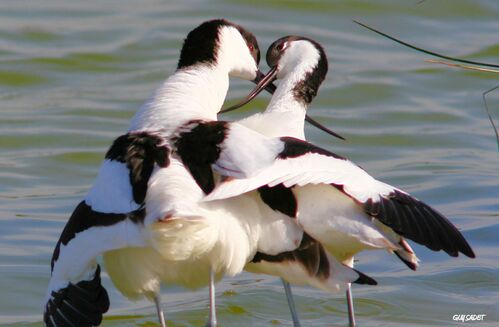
x: 403, y: 213
x: 312, y: 256
x: 417, y: 221
x: 199, y: 148
x: 84, y: 217
x: 79, y: 305
x: 294, y: 148
x: 306, y: 89
x: 140, y: 151
x: 279, y: 198
x: 201, y: 44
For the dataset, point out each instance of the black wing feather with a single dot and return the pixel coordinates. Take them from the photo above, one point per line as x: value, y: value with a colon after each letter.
x: 199, y: 148
x: 140, y: 151
x: 279, y: 198
x: 417, y: 221
x: 81, y: 304
x: 312, y: 256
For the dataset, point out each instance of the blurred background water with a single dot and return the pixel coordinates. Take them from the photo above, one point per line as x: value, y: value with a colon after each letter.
x: 72, y: 73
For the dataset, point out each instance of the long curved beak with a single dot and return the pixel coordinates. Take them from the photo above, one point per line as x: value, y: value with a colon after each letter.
x: 323, y: 128
x: 270, y: 86
x: 262, y: 82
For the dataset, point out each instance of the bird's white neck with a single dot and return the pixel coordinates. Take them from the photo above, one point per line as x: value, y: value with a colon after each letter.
x: 196, y: 92
x: 301, y: 59
x: 284, y: 116
x: 284, y: 101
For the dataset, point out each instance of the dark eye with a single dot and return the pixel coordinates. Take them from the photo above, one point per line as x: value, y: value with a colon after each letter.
x: 251, y: 47
x: 280, y: 46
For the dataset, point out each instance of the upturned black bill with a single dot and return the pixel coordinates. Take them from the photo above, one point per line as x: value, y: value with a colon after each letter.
x: 264, y: 82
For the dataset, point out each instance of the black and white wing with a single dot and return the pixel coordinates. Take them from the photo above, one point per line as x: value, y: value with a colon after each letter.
x: 291, y: 162
x: 231, y: 149
x: 308, y: 264
x: 109, y: 218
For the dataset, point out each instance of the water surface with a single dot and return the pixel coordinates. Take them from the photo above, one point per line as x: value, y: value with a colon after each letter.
x: 73, y: 73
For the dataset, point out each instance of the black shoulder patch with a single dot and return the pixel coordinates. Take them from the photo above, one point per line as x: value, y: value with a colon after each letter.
x: 310, y: 254
x: 84, y: 217
x: 140, y: 151
x: 419, y: 222
x: 294, y: 148
x: 279, y: 198
x: 199, y: 148
x: 81, y: 304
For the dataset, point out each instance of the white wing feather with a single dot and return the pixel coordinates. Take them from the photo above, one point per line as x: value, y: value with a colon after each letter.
x: 310, y: 168
x: 112, y: 191
x: 235, y: 159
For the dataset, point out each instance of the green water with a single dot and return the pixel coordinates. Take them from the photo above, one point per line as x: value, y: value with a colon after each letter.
x: 72, y: 73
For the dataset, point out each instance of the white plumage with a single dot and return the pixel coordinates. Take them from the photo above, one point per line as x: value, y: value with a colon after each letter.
x: 331, y: 216
x: 185, y: 239
x: 111, y: 191
x: 338, y: 203
x: 141, y: 246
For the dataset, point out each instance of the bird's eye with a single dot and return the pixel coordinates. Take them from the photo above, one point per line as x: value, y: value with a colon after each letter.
x: 280, y: 46
x: 251, y: 47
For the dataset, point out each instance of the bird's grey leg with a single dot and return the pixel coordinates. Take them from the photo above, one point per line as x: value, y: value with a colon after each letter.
x: 291, y: 303
x: 212, y: 321
x: 351, y: 313
x: 160, y: 313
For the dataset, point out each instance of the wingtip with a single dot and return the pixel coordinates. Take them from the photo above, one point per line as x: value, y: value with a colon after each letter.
x: 461, y: 245
x: 410, y: 264
x: 419, y: 222
x: 363, y: 279
x: 81, y: 304
x: 468, y: 251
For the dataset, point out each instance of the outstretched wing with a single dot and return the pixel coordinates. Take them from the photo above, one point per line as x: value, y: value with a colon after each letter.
x: 299, y: 163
